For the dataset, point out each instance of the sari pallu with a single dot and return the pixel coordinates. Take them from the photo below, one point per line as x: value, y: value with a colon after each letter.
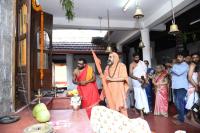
x: 88, y: 92
x: 161, y: 102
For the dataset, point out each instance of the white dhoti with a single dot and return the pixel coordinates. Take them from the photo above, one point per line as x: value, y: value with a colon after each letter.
x: 191, y: 99
x: 192, y: 95
x: 141, y: 101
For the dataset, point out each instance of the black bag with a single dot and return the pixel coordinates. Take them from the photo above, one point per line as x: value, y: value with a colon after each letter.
x: 196, y: 111
x: 196, y: 106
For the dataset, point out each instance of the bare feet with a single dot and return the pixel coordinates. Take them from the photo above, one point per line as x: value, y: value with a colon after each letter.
x: 192, y: 122
x: 124, y: 111
x: 165, y: 115
x: 175, y: 116
x: 177, y: 122
x: 135, y: 111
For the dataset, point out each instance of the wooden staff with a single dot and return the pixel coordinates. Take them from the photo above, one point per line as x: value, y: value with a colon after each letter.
x: 103, y: 78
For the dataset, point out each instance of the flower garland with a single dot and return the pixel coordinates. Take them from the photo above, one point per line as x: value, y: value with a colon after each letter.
x: 38, y: 8
x: 42, y: 46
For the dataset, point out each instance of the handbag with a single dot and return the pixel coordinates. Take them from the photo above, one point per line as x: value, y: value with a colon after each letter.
x: 196, y: 110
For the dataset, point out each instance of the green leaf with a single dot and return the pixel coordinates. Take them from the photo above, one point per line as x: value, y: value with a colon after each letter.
x: 68, y: 6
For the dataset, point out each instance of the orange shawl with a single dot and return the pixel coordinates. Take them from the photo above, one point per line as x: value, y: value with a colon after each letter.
x: 89, y: 73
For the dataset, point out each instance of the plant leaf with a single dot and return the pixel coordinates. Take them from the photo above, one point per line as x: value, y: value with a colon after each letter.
x: 68, y: 6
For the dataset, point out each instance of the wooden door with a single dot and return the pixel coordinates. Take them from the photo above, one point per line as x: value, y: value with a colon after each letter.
x: 35, y: 51
x: 22, y: 68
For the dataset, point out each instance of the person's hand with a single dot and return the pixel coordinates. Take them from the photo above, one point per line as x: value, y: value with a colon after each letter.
x: 196, y: 87
x: 83, y: 83
x: 101, y: 76
x: 156, y: 85
x: 109, y: 79
x: 140, y: 80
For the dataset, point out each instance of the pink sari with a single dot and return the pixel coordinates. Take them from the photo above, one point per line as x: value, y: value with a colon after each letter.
x: 161, y: 102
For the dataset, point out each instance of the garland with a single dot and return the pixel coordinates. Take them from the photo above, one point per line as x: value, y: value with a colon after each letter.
x: 41, y: 45
x: 111, y: 76
x: 38, y: 8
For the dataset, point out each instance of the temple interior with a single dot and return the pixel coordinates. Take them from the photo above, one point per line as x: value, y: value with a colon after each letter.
x: 55, y: 54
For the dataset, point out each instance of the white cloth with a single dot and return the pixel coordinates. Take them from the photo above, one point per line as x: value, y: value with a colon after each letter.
x: 141, y: 101
x: 138, y: 71
x: 104, y: 120
x: 192, y: 96
x: 191, y: 99
x: 195, y: 78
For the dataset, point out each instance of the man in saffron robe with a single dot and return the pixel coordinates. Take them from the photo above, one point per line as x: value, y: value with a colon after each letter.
x: 84, y: 77
x: 117, y: 83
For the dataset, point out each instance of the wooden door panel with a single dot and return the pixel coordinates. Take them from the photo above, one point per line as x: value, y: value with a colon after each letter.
x: 35, y: 52
x: 22, y: 92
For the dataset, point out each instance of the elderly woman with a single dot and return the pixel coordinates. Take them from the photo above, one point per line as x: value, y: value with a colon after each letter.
x: 160, y: 81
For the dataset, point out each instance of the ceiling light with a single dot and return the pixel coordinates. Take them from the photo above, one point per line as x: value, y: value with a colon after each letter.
x: 127, y: 5
x: 194, y: 22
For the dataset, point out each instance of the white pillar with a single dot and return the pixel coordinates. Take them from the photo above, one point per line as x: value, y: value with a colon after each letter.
x: 147, y: 49
x: 69, y: 62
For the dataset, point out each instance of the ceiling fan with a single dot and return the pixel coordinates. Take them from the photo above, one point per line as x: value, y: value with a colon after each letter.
x: 195, y: 21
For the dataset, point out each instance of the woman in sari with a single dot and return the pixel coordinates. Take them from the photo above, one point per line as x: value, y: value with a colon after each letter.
x: 160, y: 82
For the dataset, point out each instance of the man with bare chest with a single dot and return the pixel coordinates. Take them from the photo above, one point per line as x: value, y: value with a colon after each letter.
x: 137, y: 71
x: 85, y: 79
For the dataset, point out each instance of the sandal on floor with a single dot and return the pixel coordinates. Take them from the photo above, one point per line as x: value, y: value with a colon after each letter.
x: 9, y: 119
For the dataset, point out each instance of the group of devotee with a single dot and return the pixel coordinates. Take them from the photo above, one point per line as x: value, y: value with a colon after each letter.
x: 176, y: 81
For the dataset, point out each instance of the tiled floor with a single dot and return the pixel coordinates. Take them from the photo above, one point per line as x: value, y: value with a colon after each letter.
x: 160, y: 124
